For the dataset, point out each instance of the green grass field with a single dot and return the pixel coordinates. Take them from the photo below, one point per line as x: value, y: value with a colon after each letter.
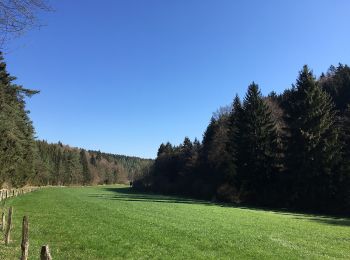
x: 113, y: 222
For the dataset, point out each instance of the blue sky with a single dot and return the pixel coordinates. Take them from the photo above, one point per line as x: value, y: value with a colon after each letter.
x: 123, y: 76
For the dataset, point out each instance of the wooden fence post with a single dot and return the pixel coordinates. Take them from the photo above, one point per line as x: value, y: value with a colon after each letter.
x: 45, y: 253
x: 8, y: 227
x: 3, y: 222
x: 25, y: 238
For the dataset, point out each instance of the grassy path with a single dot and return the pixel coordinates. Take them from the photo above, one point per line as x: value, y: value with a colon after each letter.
x: 112, y: 222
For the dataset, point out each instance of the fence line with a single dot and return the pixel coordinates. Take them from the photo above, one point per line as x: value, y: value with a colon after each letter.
x: 8, y: 193
x: 44, y: 252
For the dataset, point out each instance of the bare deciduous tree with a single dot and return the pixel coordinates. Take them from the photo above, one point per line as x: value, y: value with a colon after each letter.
x: 16, y: 16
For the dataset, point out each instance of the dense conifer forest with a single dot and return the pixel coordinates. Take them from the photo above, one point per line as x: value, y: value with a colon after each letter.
x: 283, y: 150
x: 24, y: 160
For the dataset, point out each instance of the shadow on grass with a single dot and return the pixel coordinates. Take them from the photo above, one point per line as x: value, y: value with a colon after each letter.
x: 129, y: 194
x: 337, y: 221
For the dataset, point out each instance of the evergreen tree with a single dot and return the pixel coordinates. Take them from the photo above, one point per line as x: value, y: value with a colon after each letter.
x: 312, y: 144
x: 208, y: 138
x: 87, y: 178
x: 285, y: 149
x: 187, y: 153
x: 258, y: 148
x: 58, y: 166
x: 17, y: 149
x: 343, y: 180
x: 233, y: 139
x: 185, y: 166
x: 336, y: 83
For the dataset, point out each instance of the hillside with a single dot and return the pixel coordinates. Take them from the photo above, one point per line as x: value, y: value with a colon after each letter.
x: 60, y: 164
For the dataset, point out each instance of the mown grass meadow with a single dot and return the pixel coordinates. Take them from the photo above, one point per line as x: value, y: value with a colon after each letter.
x: 113, y: 222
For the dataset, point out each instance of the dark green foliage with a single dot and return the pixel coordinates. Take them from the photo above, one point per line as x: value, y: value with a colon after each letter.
x: 313, y: 148
x: 174, y: 169
x: 289, y: 150
x: 336, y: 83
x: 343, y: 180
x: 234, y: 124
x: 346, y: 139
x: 257, y: 148
x: 16, y: 132
x: 87, y: 177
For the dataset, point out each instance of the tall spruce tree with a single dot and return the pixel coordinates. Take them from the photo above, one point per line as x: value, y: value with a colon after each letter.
x: 187, y: 156
x: 233, y: 139
x: 343, y: 182
x: 17, y: 146
x: 258, y: 143
x: 312, y: 143
x: 87, y: 177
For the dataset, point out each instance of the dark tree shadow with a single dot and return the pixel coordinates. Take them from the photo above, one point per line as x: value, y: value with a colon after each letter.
x: 337, y: 221
x: 130, y: 194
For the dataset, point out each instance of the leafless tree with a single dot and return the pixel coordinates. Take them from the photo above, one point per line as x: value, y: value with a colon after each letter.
x: 17, y: 16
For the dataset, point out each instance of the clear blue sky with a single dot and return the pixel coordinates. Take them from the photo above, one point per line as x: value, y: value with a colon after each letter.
x: 123, y: 76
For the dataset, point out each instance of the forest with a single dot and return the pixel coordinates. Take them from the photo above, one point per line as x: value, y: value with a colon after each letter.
x: 27, y: 161
x: 287, y: 150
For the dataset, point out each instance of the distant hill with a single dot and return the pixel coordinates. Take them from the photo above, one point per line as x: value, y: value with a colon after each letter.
x: 131, y: 166
x: 60, y: 164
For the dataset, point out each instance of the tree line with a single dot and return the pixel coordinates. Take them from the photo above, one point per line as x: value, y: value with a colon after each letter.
x: 64, y: 165
x: 24, y: 160
x: 283, y: 150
